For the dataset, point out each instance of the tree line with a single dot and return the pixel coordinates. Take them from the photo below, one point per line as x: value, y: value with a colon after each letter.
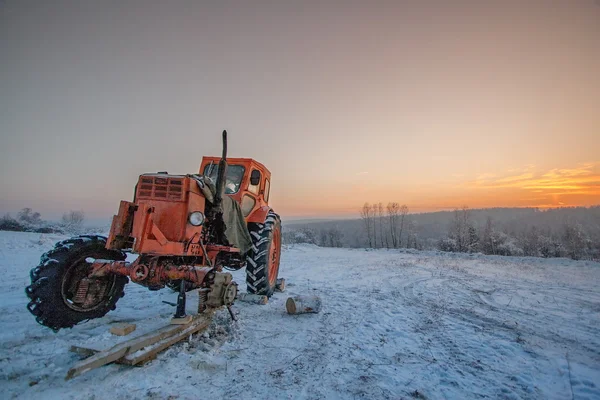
x: 571, y: 240
x: 28, y: 220
x: 562, y: 232
x: 387, y: 227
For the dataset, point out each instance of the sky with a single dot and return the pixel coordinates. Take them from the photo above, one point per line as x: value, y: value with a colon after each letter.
x: 433, y: 104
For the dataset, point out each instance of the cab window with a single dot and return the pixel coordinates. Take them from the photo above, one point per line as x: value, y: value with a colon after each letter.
x: 254, y: 185
x: 233, y: 176
x: 267, y: 187
x: 248, y: 204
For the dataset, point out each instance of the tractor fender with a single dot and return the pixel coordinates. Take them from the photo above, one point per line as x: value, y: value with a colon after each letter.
x: 259, y: 215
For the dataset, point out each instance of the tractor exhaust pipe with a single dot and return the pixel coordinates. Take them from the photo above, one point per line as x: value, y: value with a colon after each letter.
x: 220, y: 184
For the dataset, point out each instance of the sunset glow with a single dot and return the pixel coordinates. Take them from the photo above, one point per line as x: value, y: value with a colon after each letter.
x: 529, y: 187
x: 430, y: 104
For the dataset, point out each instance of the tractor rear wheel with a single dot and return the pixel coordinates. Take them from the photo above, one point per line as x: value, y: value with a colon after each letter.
x: 262, y: 261
x: 61, y: 293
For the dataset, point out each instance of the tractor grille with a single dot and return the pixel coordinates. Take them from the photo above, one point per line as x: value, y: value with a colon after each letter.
x: 161, y: 188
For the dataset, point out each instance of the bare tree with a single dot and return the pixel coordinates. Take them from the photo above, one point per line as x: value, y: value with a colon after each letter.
x: 392, y: 212
x: 29, y: 217
x: 411, y: 234
x: 488, y: 244
x: 334, y: 237
x: 574, y: 240
x: 459, y: 229
x: 8, y: 223
x: 73, y: 220
x: 374, y: 218
x: 403, y: 212
x: 381, y: 221
x: 473, y: 240
x: 323, y: 239
x: 529, y: 241
x: 301, y: 235
x: 366, y: 214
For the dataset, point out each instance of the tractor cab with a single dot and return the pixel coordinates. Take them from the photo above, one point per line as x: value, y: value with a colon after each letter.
x: 246, y: 181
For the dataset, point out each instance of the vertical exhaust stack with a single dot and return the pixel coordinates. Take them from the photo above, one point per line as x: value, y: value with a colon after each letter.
x: 220, y: 184
x: 215, y: 224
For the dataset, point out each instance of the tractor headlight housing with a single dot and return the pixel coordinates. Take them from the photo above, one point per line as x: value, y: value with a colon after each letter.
x: 196, y: 218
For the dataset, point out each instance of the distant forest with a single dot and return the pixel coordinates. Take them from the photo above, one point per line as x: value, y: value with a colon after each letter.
x: 562, y: 232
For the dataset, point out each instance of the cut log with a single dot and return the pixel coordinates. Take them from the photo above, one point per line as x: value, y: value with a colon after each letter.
x: 303, y: 304
x: 252, y: 298
x: 280, y: 285
x: 122, y: 329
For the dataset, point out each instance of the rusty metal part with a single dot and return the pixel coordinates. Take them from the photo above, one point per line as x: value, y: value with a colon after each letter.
x: 230, y: 293
x: 139, y: 272
x: 202, y: 299
x: 231, y: 314
x: 152, y: 273
x: 222, y: 290
x: 95, y: 292
x: 217, y: 289
x: 82, y: 291
x: 122, y: 226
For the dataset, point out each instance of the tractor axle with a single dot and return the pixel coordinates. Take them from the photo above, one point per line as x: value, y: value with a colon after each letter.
x: 151, y: 274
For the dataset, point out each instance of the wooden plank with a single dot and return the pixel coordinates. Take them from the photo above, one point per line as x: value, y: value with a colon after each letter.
x: 97, y: 360
x: 87, y: 352
x: 151, y: 351
x: 128, y: 347
x: 122, y: 329
x: 83, y: 351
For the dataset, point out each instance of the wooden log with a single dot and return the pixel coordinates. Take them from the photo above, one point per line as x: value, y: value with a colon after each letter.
x: 303, y: 304
x: 122, y: 329
x: 133, y: 345
x: 280, y: 285
x: 252, y: 298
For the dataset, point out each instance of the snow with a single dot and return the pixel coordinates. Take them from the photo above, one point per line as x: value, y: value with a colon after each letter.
x: 394, y: 325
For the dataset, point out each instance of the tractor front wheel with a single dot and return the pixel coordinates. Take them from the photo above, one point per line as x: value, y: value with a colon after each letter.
x: 262, y: 261
x: 62, y: 294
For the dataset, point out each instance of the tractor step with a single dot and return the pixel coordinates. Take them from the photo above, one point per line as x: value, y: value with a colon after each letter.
x: 140, y: 349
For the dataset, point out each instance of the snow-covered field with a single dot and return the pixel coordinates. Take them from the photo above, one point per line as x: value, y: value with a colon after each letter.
x: 394, y: 325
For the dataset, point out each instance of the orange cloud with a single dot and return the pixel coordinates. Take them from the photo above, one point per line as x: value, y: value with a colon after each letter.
x: 524, y: 187
x: 556, y: 187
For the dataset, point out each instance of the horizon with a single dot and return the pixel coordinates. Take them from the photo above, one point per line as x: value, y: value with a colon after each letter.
x: 102, y: 222
x: 428, y: 104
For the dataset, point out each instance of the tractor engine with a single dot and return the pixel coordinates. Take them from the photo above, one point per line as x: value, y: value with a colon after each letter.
x: 167, y: 225
x: 166, y: 217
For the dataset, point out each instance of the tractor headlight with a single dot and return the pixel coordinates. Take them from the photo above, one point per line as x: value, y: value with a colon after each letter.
x: 196, y: 218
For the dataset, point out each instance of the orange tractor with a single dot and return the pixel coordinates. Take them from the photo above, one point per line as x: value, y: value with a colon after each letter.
x: 185, y: 229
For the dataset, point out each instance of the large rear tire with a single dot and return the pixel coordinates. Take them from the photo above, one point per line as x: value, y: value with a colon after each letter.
x: 262, y: 262
x: 60, y: 292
